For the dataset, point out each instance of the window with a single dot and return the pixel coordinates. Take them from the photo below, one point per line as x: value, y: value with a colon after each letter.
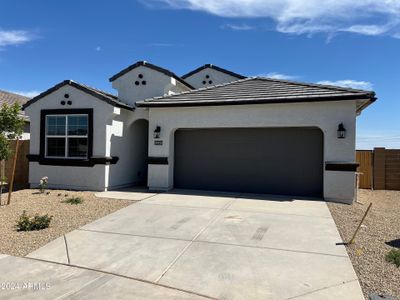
x: 67, y: 136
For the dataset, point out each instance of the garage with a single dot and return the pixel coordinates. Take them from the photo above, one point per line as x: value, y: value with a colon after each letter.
x: 282, y: 161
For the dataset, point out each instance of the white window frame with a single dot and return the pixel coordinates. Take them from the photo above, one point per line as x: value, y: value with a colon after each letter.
x: 66, y: 136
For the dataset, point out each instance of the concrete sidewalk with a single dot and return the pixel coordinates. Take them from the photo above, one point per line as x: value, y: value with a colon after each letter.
x: 224, y: 246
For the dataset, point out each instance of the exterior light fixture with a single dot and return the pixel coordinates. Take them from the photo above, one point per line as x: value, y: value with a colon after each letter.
x: 157, y: 132
x: 341, y: 132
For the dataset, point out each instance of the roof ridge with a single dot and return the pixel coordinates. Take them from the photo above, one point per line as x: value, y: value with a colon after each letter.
x: 198, y: 90
x: 94, y: 89
x: 13, y: 94
x: 109, y: 98
x: 325, y: 86
x: 151, y: 66
x: 212, y: 66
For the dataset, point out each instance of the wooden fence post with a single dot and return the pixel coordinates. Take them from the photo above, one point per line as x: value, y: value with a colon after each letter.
x: 13, y: 171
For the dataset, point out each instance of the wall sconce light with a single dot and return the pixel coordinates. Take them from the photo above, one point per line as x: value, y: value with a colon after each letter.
x: 341, y: 132
x: 157, y: 132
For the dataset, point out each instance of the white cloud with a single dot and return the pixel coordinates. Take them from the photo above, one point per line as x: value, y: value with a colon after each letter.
x: 362, y: 85
x: 368, y: 17
x: 14, y: 37
x: 236, y: 27
x: 367, y: 29
x: 276, y: 75
x: 29, y: 94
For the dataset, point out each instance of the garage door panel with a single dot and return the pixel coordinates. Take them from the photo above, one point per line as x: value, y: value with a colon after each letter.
x: 260, y: 160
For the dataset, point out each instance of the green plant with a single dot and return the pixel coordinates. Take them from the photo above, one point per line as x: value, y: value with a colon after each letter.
x: 27, y: 223
x: 11, y: 127
x: 394, y: 257
x: 73, y: 200
x: 3, y: 183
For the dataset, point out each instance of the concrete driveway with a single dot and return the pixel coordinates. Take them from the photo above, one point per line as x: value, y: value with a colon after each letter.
x: 187, y: 245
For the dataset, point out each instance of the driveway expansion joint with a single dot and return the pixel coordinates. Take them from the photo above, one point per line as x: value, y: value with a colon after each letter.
x: 209, y: 242
x: 66, y: 249
x: 134, y: 235
x: 221, y: 210
x: 271, y: 248
x: 120, y: 276
x: 183, y: 206
x: 276, y: 213
x: 77, y: 290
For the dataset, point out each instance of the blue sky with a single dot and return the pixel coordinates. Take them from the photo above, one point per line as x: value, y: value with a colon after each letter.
x: 355, y: 43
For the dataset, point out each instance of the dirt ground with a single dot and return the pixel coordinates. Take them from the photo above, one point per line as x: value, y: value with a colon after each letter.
x: 379, y: 234
x: 66, y: 217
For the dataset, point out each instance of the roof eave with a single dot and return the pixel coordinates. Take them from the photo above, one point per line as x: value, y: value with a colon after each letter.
x: 154, y: 104
x: 367, y: 103
x: 153, y: 67
x: 79, y: 87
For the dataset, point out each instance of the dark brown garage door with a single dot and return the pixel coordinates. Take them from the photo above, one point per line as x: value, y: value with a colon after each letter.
x: 285, y: 161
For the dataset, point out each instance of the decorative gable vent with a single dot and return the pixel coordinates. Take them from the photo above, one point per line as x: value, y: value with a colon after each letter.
x: 140, y: 81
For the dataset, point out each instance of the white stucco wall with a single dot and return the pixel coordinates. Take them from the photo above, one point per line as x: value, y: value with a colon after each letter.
x: 157, y: 84
x: 104, y: 128
x: 130, y: 145
x: 338, y: 186
x: 217, y: 77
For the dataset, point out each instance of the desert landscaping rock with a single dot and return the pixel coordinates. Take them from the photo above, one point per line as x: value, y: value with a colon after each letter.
x: 66, y: 217
x: 374, y: 240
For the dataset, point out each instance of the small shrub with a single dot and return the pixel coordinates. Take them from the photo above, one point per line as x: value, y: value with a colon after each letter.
x: 394, y: 257
x: 27, y: 223
x: 73, y: 200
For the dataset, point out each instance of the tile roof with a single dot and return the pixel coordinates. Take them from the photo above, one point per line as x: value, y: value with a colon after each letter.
x: 257, y: 90
x: 151, y: 66
x: 109, y: 98
x: 211, y: 66
x: 11, y: 98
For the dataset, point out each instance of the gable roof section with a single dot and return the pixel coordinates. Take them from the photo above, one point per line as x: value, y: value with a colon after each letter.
x: 101, y: 95
x: 259, y: 90
x: 211, y: 66
x: 12, y: 98
x: 153, y: 67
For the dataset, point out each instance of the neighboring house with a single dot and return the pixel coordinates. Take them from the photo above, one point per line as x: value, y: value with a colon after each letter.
x: 255, y: 135
x: 10, y: 99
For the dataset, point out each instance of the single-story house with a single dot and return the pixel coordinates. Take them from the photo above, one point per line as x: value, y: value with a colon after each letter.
x: 12, y: 98
x: 210, y: 129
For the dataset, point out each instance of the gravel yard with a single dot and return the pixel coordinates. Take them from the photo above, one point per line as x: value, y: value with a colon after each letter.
x: 380, y: 234
x: 66, y: 217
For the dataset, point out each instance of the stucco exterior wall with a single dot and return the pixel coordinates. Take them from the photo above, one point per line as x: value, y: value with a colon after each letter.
x: 338, y: 186
x: 71, y: 177
x: 157, y: 84
x: 217, y: 77
x: 128, y: 141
